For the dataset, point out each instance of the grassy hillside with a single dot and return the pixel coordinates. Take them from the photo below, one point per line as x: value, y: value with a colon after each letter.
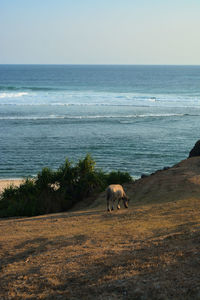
x: 149, y: 251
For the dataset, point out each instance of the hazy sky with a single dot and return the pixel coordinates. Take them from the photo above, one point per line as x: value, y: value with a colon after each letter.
x: 100, y: 31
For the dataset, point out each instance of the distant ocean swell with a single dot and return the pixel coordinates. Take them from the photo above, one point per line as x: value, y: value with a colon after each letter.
x: 28, y: 88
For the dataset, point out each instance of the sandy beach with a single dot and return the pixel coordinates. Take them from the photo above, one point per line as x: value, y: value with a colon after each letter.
x: 7, y: 182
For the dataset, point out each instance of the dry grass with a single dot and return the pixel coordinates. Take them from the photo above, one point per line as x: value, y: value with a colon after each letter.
x: 149, y: 251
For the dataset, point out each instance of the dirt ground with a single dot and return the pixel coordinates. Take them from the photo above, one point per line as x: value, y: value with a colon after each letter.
x: 144, y: 252
x: 149, y: 251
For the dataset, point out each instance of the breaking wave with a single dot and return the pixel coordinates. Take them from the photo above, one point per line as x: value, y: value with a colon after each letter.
x: 41, y: 97
x: 13, y: 95
x: 90, y: 117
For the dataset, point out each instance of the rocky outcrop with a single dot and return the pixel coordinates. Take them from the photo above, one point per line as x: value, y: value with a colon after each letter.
x: 195, y: 150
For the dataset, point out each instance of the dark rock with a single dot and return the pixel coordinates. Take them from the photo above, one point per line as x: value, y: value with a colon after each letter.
x: 166, y: 168
x: 195, y: 150
x: 144, y: 175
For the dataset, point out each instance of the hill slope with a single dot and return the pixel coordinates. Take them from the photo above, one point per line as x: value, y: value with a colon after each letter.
x: 149, y: 251
x: 182, y: 181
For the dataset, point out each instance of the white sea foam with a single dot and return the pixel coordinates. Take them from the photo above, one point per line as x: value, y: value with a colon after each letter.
x: 91, y: 98
x: 120, y: 117
x: 31, y: 118
x: 138, y: 103
x: 152, y: 99
x: 13, y: 95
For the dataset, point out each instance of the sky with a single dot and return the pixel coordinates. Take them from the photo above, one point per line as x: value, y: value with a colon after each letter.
x: 100, y: 32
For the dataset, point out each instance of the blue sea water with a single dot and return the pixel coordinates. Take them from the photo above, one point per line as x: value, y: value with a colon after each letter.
x: 130, y: 118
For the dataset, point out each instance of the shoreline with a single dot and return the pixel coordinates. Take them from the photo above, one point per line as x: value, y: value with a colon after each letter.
x: 4, y: 183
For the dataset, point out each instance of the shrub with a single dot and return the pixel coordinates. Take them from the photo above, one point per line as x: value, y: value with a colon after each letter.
x: 19, y: 201
x: 55, y: 191
x: 45, y: 178
x: 118, y: 177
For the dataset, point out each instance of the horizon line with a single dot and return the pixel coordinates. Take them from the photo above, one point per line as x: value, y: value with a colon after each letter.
x: 97, y: 64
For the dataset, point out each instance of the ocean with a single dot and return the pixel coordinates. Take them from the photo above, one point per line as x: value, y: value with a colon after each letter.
x: 128, y: 117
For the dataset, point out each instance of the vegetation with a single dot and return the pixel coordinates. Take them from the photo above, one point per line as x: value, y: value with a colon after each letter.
x: 56, y: 191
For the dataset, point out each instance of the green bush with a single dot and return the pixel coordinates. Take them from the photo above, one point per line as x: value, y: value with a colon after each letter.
x: 19, y: 201
x: 55, y: 191
x: 118, y: 177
